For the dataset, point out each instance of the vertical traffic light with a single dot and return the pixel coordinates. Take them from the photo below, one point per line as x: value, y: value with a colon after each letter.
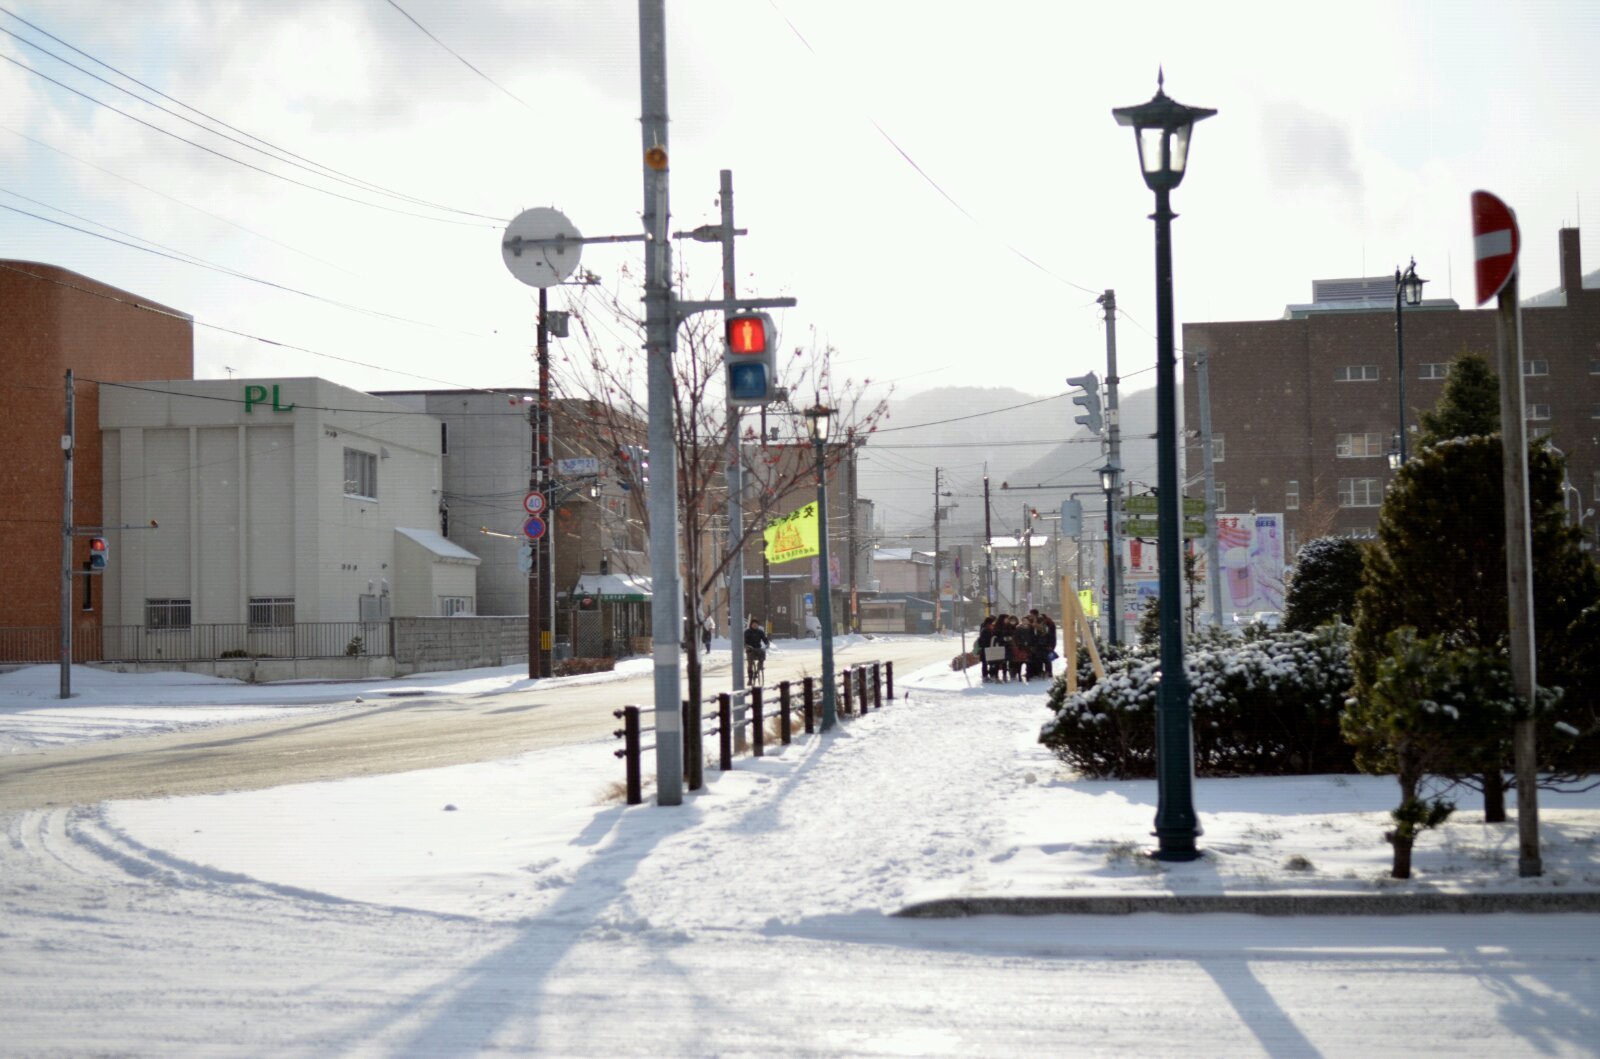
x: 1089, y: 399
x: 99, y: 552
x: 751, y: 358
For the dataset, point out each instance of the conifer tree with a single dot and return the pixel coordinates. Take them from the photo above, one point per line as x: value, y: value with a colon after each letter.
x: 1469, y: 404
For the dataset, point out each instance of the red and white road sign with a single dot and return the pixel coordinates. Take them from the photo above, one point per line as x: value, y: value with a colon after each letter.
x: 533, y: 503
x: 1495, y: 243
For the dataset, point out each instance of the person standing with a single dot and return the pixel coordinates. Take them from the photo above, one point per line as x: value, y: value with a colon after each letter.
x: 707, y: 628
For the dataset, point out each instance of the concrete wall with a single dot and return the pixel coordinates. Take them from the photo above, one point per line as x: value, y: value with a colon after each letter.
x: 423, y: 645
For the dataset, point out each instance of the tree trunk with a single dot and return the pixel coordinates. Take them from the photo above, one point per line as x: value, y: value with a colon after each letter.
x: 1494, y: 797
x: 1402, y: 854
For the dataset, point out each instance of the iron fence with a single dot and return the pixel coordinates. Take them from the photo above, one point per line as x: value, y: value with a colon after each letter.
x: 197, y: 643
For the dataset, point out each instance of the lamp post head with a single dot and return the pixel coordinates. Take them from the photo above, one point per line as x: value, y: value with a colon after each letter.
x: 817, y: 418
x: 1409, y: 283
x: 1161, y: 130
x: 1108, y: 478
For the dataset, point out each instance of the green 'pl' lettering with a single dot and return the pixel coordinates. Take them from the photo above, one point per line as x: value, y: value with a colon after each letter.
x: 254, y: 395
x: 276, y: 407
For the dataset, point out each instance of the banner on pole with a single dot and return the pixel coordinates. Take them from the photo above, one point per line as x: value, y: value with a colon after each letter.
x: 793, y: 536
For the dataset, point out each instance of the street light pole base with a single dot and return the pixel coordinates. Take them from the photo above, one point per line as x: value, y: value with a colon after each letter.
x: 1175, y: 856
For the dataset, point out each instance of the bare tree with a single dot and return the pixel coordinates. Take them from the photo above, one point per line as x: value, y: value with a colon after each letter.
x: 611, y: 372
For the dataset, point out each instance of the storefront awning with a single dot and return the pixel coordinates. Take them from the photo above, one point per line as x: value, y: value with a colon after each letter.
x: 614, y: 588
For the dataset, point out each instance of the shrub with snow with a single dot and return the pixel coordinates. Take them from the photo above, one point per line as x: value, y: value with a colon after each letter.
x: 1264, y: 706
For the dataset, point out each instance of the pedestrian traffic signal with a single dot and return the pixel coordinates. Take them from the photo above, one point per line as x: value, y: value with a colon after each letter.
x: 1089, y: 399
x: 98, y: 553
x: 751, y: 359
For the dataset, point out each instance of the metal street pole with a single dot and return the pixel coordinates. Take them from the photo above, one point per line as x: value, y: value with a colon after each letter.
x: 1177, y: 826
x: 540, y: 593
x: 660, y: 328
x: 1213, y: 563
x: 988, y: 552
x: 736, y: 621
x: 938, y: 610
x: 1519, y: 571
x: 824, y: 603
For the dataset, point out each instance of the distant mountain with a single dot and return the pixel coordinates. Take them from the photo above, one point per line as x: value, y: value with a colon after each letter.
x: 1023, y: 439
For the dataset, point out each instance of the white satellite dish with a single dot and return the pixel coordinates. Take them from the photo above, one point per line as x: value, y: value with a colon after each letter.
x: 541, y: 247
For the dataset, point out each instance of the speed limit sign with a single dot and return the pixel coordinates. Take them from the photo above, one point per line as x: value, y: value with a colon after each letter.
x: 533, y: 503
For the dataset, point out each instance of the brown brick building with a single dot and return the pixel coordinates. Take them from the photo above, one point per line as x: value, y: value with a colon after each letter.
x: 1304, y: 409
x: 53, y: 320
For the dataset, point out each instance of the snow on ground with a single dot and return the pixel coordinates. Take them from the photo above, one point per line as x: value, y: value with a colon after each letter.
x: 517, y: 905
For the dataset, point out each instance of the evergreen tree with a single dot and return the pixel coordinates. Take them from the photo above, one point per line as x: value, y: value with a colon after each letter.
x: 1439, y: 568
x: 1327, y: 576
x: 1468, y: 406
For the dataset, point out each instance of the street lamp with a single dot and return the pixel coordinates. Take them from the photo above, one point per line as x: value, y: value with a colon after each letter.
x: 1161, y: 130
x: 1407, y: 289
x: 1108, y: 486
x: 818, y: 418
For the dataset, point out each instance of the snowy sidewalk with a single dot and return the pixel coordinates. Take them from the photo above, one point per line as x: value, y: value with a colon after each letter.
x: 943, y: 795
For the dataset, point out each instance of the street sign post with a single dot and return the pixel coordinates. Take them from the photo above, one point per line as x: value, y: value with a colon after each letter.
x: 1146, y: 505
x: 533, y: 503
x: 534, y: 528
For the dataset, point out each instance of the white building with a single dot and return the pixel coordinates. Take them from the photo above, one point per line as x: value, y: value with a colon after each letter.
x: 277, y: 501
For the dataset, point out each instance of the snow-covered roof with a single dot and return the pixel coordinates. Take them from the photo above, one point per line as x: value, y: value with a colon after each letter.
x: 439, y: 546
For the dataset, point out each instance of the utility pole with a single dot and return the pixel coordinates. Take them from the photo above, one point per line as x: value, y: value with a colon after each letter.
x: 1027, y: 549
x: 855, y: 546
x: 1108, y: 301
x: 68, y: 443
x: 660, y: 340
x: 938, y: 610
x: 541, y: 628
x: 1213, y: 565
x: 988, y: 551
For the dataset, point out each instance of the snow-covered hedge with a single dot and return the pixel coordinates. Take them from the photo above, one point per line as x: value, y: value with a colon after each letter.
x: 1265, y: 706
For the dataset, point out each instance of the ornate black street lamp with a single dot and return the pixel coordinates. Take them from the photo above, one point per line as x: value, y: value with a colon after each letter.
x: 1407, y: 289
x: 1162, y: 128
x: 818, y: 418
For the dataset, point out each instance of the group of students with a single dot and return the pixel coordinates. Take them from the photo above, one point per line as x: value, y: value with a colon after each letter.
x: 1026, y: 647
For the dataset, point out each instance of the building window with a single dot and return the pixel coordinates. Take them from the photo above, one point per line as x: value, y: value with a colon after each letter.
x: 271, y: 612
x: 1594, y: 366
x: 1356, y: 373
x: 1538, y: 411
x: 1352, y: 446
x: 1222, y: 496
x: 1218, y: 449
x: 360, y: 474
x: 1433, y: 371
x: 166, y: 614
x: 450, y: 606
x: 1594, y: 411
x: 1291, y: 541
x: 1541, y: 432
x: 1595, y: 493
x: 1360, y: 533
x: 1360, y: 492
x: 1536, y: 367
x: 1291, y: 496
x: 444, y: 439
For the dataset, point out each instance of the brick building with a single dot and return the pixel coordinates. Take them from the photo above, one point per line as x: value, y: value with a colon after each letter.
x: 53, y: 320
x: 1305, y: 409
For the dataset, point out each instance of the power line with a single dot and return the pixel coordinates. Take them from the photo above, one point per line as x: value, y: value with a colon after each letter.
x: 426, y: 32
x: 283, y: 154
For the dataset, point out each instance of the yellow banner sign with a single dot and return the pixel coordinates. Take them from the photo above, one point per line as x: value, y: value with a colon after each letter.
x: 1086, y: 600
x: 793, y: 536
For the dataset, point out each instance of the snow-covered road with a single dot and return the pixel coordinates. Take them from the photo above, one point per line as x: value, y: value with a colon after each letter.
x: 510, y: 907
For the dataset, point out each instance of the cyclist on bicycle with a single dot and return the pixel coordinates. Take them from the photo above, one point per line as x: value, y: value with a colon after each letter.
x: 756, y: 642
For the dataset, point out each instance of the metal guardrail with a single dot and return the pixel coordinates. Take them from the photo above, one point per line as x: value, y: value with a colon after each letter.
x: 861, y: 688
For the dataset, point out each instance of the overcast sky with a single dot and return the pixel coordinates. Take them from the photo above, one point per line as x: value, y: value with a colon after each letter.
x: 941, y: 185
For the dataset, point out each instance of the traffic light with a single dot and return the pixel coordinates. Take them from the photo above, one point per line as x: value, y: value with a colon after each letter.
x: 1089, y: 399
x: 98, y: 553
x: 751, y: 359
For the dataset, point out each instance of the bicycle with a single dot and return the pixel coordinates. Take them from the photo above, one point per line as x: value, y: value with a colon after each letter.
x: 755, y: 671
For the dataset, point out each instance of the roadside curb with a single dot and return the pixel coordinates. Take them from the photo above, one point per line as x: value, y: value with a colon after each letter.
x: 1257, y: 904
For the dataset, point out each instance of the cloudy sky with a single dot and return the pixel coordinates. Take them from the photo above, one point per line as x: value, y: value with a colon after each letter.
x: 942, y: 186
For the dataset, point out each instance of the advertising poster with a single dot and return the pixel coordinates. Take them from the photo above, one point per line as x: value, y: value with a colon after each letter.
x: 1250, y: 552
